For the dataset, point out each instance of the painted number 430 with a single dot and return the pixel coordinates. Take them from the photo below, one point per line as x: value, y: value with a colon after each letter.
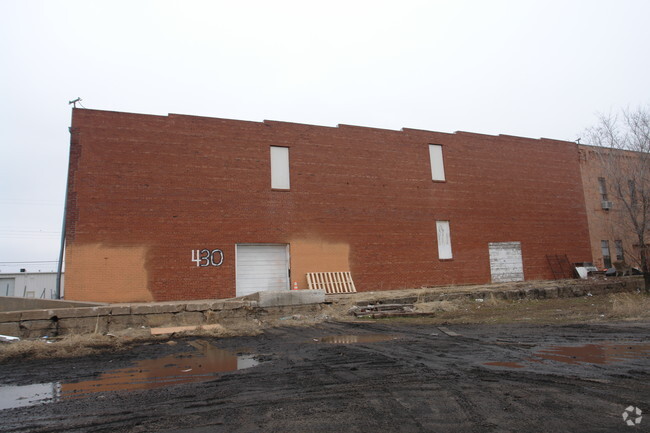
x: 207, y: 257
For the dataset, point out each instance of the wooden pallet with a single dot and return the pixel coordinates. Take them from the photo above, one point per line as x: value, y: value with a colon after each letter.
x: 331, y: 282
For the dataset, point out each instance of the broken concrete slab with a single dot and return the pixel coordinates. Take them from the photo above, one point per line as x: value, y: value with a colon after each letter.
x: 157, y: 320
x: 233, y: 305
x: 288, y: 297
x: 37, y: 328
x: 13, y: 316
x: 217, y: 305
x: 37, y: 315
x: 199, y: 306
x: 83, y: 325
x: 10, y: 328
x: 552, y: 292
x: 126, y: 321
x: 120, y: 310
x: 530, y: 292
x: 66, y: 313
x: 186, y: 318
x: 157, y: 308
x: 578, y: 291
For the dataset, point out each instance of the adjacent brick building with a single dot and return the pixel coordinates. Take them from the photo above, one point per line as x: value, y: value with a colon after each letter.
x: 615, y: 185
x: 183, y: 207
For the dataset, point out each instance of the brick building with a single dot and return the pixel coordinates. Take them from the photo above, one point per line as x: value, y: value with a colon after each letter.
x: 616, y: 188
x: 185, y: 207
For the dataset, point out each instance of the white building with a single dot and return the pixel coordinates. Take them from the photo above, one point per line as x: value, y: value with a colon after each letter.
x: 40, y: 285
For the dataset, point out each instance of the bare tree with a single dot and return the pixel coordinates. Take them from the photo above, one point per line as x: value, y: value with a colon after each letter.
x: 624, y: 150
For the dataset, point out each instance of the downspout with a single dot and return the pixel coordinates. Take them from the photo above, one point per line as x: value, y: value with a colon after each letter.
x: 59, y: 270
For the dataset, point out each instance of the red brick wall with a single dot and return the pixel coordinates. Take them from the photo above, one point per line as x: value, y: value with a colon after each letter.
x: 616, y: 167
x: 167, y: 185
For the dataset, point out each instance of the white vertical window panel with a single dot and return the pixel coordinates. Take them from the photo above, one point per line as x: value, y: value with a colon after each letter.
x: 437, y: 165
x: 444, y: 240
x: 279, y: 167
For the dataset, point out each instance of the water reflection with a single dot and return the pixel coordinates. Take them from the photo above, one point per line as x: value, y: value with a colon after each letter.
x: 144, y: 374
x: 602, y: 354
x: 28, y: 395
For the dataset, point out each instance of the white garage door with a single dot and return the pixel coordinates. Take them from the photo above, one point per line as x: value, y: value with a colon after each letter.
x: 262, y: 267
x: 505, y: 262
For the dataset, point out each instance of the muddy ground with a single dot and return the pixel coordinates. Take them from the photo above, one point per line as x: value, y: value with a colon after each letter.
x: 424, y: 376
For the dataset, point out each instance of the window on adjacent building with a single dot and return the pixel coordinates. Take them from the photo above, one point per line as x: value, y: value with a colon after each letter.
x: 632, y: 186
x: 444, y: 240
x: 619, y: 251
x: 602, y: 188
x: 607, y: 258
x: 437, y: 165
x: 279, y: 167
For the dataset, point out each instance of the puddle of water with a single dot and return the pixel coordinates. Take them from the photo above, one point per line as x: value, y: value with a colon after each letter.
x: 589, y: 353
x: 28, y: 395
x: 505, y: 364
x: 595, y: 353
x: 144, y: 374
x: 351, y: 339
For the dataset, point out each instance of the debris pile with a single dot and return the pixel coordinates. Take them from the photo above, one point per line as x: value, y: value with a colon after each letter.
x: 376, y: 311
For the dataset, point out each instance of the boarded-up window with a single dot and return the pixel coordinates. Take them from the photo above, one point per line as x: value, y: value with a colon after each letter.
x: 444, y: 240
x: 437, y: 165
x: 506, y: 262
x: 279, y: 167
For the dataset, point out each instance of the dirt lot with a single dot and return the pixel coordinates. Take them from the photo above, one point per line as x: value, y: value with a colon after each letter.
x: 492, y: 366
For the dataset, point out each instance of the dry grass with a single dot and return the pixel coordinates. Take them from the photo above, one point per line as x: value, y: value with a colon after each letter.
x: 584, y: 309
x: 439, y: 306
x: 493, y: 301
x: 232, y: 330
x: 65, y: 347
x: 630, y: 306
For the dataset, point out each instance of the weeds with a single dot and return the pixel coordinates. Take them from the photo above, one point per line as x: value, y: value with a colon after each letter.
x: 66, y: 347
x: 493, y: 301
x: 630, y: 305
x: 439, y: 306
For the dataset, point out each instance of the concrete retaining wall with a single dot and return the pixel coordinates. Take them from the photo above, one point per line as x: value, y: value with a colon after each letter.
x: 118, y: 317
x: 11, y: 303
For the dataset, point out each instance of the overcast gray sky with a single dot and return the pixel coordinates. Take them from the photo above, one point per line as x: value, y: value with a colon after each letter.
x: 529, y: 68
